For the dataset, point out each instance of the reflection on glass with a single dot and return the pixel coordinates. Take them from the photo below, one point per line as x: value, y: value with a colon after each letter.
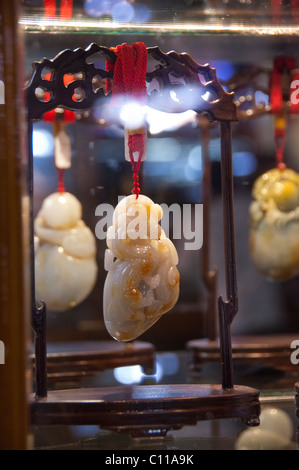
x: 134, y: 374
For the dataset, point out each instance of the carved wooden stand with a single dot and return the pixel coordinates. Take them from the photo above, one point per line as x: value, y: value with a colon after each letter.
x: 145, y: 410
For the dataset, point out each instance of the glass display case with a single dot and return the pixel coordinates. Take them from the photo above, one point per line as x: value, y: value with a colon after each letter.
x: 221, y: 84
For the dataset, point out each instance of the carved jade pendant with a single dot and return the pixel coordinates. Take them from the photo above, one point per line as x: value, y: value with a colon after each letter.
x: 274, y: 224
x: 142, y: 281
x: 65, y: 253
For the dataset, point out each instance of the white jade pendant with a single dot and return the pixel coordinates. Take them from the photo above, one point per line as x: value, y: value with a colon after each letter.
x: 274, y: 224
x: 65, y: 253
x: 142, y: 281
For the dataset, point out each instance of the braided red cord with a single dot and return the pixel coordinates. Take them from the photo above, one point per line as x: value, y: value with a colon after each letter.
x: 61, y: 188
x: 136, y: 144
x: 129, y: 83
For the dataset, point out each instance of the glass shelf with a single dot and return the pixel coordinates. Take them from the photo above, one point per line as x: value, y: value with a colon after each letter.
x: 243, y: 17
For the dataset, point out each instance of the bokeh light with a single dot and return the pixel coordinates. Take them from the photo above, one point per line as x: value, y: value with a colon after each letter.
x: 130, y: 375
x: 142, y: 13
x: 160, y: 121
x: 98, y: 8
x: 224, y: 69
x: 132, y: 114
x: 244, y: 163
x: 123, y: 12
x: 195, y: 158
x: 42, y: 143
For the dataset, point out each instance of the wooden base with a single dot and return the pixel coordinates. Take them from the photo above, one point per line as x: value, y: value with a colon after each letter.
x: 146, y: 411
x: 268, y: 350
x: 72, y: 361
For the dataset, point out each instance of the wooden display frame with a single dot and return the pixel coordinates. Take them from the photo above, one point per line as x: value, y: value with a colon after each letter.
x: 164, y: 406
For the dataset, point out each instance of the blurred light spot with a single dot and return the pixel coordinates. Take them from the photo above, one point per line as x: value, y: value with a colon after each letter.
x: 42, y: 143
x: 160, y: 121
x: 195, y: 158
x: 169, y: 362
x: 163, y: 150
x: 103, y: 110
x: 224, y: 69
x: 134, y: 375
x: 191, y: 174
x: 244, y: 163
x: 132, y: 115
x: 122, y: 12
x: 97, y: 8
x: 142, y: 13
x: 176, y: 172
x: 153, y: 169
x: 173, y: 96
x: 207, y: 96
x: 84, y: 431
x: 215, y: 154
x: 114, y: 131
x: 261, y: 98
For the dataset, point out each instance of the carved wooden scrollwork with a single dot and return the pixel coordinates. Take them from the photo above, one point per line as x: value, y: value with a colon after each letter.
x: 182, y: 84
x: 251, y: 92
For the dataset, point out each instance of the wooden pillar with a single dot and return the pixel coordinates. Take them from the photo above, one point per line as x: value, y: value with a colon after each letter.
x: 14, y: 237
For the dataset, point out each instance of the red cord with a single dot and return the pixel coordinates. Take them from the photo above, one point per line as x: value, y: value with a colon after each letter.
x: 129, y: 83
x: 50, y: 8
x: 66, y: 9
x: 61, y: 188
x: 280, y: 141
x: 136, y: 144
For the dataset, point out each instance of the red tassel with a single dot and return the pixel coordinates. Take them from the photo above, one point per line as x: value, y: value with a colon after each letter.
x: 50, y: 8
x: 66, y: 9
x: 129, y: 82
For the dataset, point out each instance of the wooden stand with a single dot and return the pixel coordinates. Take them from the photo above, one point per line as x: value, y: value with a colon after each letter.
x: 147, y: 410
x: 266, y: 350
x: 74, y: 361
